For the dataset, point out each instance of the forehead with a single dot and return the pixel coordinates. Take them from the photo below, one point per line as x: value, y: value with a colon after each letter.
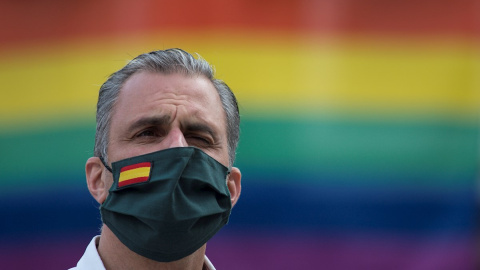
x: 147, y: 94
x: 145, y: 84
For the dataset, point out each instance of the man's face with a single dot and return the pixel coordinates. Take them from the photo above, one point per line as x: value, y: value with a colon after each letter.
x: 157, y: 111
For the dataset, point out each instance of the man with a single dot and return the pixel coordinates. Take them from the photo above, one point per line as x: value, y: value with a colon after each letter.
x: 165, y: 143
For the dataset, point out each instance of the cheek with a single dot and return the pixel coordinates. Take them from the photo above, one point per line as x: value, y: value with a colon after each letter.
x: 223, y: 155
x: 107, y: 180
x: 224, y: 158
x: 123, y: 151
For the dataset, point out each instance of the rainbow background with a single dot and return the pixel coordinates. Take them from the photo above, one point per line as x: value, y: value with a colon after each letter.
x: 360, y: 126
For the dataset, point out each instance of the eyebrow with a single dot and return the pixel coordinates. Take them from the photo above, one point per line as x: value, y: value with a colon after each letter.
x: 150, y: 121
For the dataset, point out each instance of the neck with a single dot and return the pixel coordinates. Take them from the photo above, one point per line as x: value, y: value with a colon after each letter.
x: 116, y: 255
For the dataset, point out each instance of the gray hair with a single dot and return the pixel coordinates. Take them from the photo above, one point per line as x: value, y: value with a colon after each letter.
x: 166, y: 62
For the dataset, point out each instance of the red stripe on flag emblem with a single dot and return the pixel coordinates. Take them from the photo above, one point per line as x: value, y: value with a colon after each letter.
x: 134, y: 166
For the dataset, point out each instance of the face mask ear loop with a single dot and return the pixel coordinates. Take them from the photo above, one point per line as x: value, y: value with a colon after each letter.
x: 228, y: 172
x: 105, y: 164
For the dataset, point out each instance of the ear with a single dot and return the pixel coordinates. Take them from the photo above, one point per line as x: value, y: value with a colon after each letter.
x: 95, y: 182
x: 234, y: 184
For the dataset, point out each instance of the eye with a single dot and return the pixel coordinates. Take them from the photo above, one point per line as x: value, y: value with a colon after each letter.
x: 146, y: 133
x: 198, y: 140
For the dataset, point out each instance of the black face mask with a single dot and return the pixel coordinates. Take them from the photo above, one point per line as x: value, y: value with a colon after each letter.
x: 167, y: 204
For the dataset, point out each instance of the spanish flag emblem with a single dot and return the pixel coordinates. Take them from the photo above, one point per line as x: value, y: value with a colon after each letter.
x: 136, y: 173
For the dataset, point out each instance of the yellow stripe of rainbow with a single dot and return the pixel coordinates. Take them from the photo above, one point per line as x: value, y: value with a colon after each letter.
x: 355, y: 76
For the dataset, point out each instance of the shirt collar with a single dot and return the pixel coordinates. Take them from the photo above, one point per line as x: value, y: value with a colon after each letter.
x: 91, y: 259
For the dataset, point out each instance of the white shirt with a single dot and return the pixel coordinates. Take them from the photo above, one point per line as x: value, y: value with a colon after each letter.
x: 91, y: 260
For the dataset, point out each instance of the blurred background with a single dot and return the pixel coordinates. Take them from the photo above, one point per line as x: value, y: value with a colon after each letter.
x: 359, y: 138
